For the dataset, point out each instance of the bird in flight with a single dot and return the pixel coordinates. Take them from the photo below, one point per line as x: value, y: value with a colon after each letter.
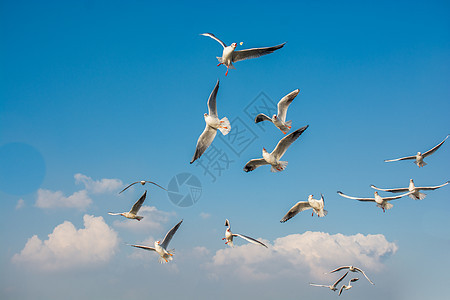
x: 316, y: 205
x: 229, y: 236
x: 349, y: 286
x: 352, y: 269
x: 415, y: 190
x: 381, y: 202
x: 143, y: 182
x: 333, y: 286
x: 132, y: 214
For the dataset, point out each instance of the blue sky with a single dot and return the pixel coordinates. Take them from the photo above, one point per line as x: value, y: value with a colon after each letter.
x: 95, y: 95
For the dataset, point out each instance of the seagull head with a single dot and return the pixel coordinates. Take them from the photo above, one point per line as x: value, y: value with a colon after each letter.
x: 376, y: 193
x: 234, y: 45
x: 142, y: 182
x: 274, y: 117
x: 264, y: 150
x: 158, y: 242
x: 228, y: 229
x: 419, y: 154
x: 411, y: 180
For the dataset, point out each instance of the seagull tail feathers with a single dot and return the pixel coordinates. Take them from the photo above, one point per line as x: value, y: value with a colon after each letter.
x: 279, y: 167
x: 225, y: 126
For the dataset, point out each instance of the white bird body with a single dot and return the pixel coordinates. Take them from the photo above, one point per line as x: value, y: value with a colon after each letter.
x: 415, y: 190
x: 163, y: 253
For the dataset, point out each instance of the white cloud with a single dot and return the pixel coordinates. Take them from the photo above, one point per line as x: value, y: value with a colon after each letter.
x: 98, y: 186
x: 153, y: 219
x: 313, y: 253
x: 68, y: 248
x: 20, y: 204
x: 50, y: 199
x: 204, y: 215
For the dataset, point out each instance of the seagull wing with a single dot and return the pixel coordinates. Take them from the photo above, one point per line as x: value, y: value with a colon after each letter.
x: 284, y: 104
x: 338, y: 269
x: 249, y: 239
x: 169, y: 235
x: 356, y: 198
x: 204, y: 141
x: 137, y: 206
x: 321, y: 285
x: 155, y: 184
x: 396, y: 197
x: 254, y: 52
x: 341, y: 289
x: 254, y: 163
x: 431, y: 151
x: 430, y: 188
x: 262, y: 117
x: 214, y: 38
x: 300, y: 206
x: 362, y: 272
x: 285, y: 142
x: 340, y: 279
x: 128, y: 186
x: 144, y: 247
x: 212, y: 107
x: 402, y: 158
x: 114, y: 214
x: 399, y: 190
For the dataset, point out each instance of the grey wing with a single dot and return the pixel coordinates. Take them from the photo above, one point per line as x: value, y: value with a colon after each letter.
x: 128, y: 186
x: 254, y: 163
x: 338, y: 269
x: 321, y: 285
x: 169, y: 235
x: 204, y: 141
x: 214, y: 38
x: 137, y: 206
x: 155, y: 184
x: 341, y: 289
x: 340, y: 279
x: 262, y: 117
x: 362, y: 272
x: 298, y: 207
x: 430, y: 188
x: 249, y: 239
x: 396, y: 197
x: 212, y: 107
x: 285, y: 142
x: 356, y: 198
x: 401, y: 158
x: 431, y: 151
x: 254, y: 52
x: 144, y: 247
x: 284, y: 104
x: 399, y: 190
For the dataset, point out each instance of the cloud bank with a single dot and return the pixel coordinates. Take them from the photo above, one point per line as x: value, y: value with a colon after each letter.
x: 101, y: 186
x: 68, y: 248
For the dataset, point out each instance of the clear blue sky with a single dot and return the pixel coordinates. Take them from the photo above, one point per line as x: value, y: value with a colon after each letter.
x: 117, y: 90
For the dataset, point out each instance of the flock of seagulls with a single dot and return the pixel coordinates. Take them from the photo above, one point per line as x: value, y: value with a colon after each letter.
x: 213, y: 124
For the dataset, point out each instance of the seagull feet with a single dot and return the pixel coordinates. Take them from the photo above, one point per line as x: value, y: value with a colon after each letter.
x: 226, y: 73
x: 312, y: 214
x: 220, y: 64
x: 223, y: 239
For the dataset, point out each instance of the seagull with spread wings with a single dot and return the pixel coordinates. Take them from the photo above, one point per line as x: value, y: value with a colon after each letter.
x: 229, y: 55
x: 212, y: 125
x: 418, y: 158
x: 161, y: 248
x: 332, y: 287
x: 274, y: 157
x: 381, y: 202
x: 279, y: 120
x: 352, y: 269
x: 143, y: 182
x: 316, y: 205
x: 132, y: 214
x: 229, y: 236
x: 349, y: 286
x: 415, y: 190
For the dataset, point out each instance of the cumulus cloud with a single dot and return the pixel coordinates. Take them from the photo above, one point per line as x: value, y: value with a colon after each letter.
x: 98, y: 186
x: 154, y: 219
x: 20, y: 204
x: 50, y: 199
x: 67, y: 247
x: 312, y: 252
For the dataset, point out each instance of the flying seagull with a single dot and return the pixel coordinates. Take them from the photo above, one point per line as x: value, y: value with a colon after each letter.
x: 132, y: 214
x: 143, y: 182
x: 279, y: 120
x: 381, y: 202
x: 229, y: 55
x: 161, y: 248
x: 316, y: 205
x: 349, y: 286
x: 415, y: 190
x: 229, y: 236
x: 212, y: 124
x: 274, y: 157
x: 420, y: 156
x: 332, y: 287
x: 352, y: 269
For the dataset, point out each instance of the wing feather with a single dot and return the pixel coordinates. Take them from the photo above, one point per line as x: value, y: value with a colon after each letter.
x: 144, y: 247
x: 214, y: 38
x: 249, y: 239
x: 254, y: 163
x: 169, y: 235
x: 284, y: 104
x: 298, y: 207
x: 285, y: 142
x: 432, y: 150
x: 137, y: 206
x: 203, y: 142
x: 254, y: 52
x: 356, y: 198
x: 431, y: 188
x: 402, y: 158
x: 212, y: 107
x: 399, y: 190
x: 262, y: 117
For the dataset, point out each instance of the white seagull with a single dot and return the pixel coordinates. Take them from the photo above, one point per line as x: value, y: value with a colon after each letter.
x: 352, y: 269
x: 420, y: 156
x: 381, y: 202
x: 279, y: 120
x: 161, y: 248
x: 415, y: 190
x: 229, y: 56
x: 274, y: 157
x: 132, y: 214
x: 229, y: 236
x: 333, y: 286
x: 316, y: 205
x: 212, y: 124
x: 143, y: 182
x: 349, y: 286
